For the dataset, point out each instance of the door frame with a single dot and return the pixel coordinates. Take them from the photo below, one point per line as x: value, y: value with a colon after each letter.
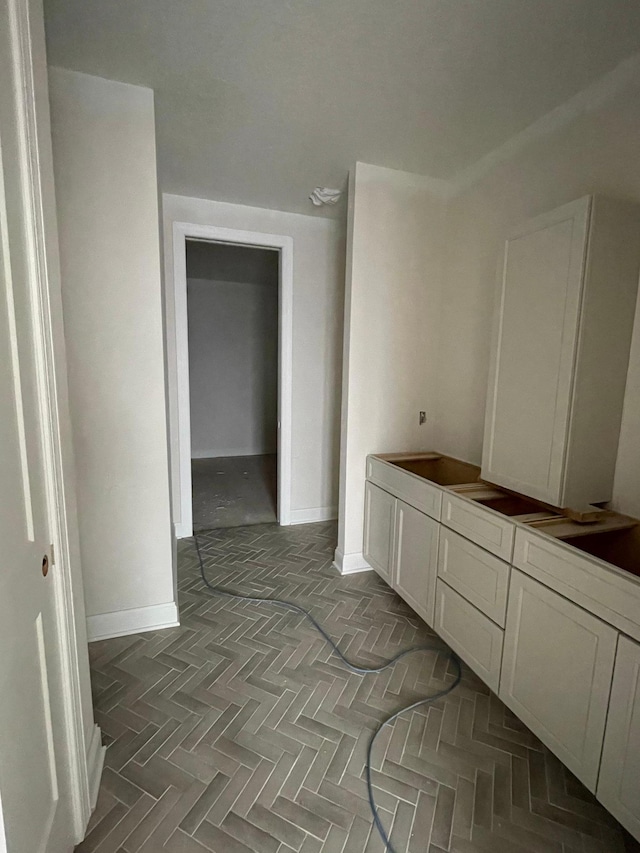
x: 182, y: 231
x: 83, y: 759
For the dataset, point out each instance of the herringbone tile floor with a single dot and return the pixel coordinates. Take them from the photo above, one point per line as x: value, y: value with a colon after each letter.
x: 239, y: 731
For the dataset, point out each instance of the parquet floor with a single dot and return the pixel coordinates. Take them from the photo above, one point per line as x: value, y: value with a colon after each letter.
x: 239, y: 731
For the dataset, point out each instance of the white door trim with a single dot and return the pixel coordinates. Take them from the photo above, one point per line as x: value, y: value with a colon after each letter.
x: 50, y: 368
x: 284, y: 244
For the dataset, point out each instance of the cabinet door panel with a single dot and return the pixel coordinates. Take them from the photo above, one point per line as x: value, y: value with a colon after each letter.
x: 480, y: 577
x: 469, y: 633
x: 533, y: 354
x: 619, y: 782
x: 480, y: 525
x: 415, y: 562
x: 556, y: 673
x: 379, y: 515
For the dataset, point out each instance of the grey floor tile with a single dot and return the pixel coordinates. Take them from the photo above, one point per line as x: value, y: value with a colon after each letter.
x: 239, y: 732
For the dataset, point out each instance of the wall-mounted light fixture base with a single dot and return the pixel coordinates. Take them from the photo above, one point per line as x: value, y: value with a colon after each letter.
x: 324, y: 195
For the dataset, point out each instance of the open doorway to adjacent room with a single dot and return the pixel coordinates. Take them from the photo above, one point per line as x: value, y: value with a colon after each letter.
x: 232, y: 313
x: 230, y: 341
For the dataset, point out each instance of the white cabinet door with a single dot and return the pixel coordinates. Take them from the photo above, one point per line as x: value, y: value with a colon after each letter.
x: 564, y: 320
x: 415, y: 563
x: 533, y: 353
x: 479, y: 524
x: 556, y: 673
x: 477, y: 575
x: 619, y: 782
x: 379, y: 520
x: 469, y: 633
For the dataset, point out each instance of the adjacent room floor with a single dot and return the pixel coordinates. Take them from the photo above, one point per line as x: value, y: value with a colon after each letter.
x: 239, y: 731
x: 232, y: 491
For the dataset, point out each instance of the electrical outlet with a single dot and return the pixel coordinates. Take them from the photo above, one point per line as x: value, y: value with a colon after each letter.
x: 423, y: 418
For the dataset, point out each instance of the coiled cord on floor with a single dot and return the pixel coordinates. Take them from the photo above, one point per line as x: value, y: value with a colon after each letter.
x: 360, y: 670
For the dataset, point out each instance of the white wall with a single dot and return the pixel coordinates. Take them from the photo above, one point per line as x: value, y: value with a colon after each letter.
x: 233, y: 361
x: 231, y: 262
x: 422, y: 259
x: 391, y: 331
x: 106, y: 188
x: 598, y: 151
x: 318, y: 288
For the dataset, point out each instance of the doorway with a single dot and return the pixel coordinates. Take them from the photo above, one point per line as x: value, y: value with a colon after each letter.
x: 233, y: 333
x: 232, y: 308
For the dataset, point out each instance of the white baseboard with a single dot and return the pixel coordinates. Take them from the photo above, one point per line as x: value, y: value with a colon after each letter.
x: 104, y: 626
x: 308, y: 516
x: 296, y: 516
x: 350, y: 564
x: 95, y: 763
x: 180, y: 531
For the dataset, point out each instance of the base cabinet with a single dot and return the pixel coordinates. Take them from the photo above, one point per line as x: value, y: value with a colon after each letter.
x: 379, y: 520
x: 556, y: 673
x: 415, y: 559
x: 619, y: 782
x: 543, y: 627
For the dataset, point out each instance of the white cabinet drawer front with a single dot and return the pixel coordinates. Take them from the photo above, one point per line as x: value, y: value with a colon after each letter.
x: 605, y: 591
x: 469, y: 633
x: 379, y: 517
x: 415, y: 563
x: 619, y: 780
x: 556, y: 673
x: 480, y: 525
x: 410, y: 488
x: 477, y: 575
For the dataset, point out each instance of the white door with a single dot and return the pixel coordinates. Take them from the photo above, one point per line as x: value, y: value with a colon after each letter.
x: 619, y: 780
x: 34, y: 788
x: 556, y: 673
x: 416, y: 556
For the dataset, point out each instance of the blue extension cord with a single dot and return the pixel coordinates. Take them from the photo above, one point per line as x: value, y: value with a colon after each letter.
x: 361, y: 670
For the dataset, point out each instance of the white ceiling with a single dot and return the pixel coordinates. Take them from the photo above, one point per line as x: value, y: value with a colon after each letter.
x: 259, y: 101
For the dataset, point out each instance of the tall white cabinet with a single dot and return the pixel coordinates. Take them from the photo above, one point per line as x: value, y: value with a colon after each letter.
x: 562, y: 334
